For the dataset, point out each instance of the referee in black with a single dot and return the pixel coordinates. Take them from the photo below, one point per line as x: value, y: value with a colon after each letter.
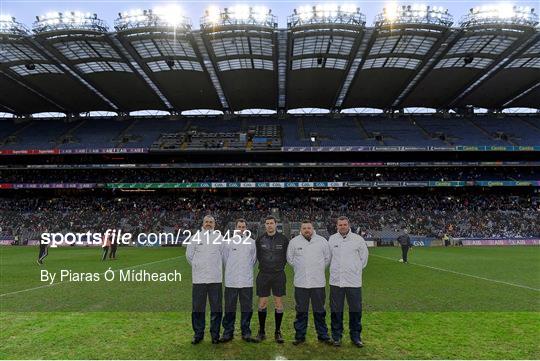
x: 271, y: 280
x: 405, y: 241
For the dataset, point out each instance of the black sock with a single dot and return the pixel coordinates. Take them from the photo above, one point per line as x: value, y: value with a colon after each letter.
x: 279, y: 318
x: 262, y: 320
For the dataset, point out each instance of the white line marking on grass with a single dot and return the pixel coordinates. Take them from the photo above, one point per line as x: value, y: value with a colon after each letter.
x: 463, y: 274
x: 57, y: 283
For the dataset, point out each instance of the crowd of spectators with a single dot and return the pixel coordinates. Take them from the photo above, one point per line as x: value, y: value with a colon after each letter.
x: 475, y: 214
x: 189, y: 175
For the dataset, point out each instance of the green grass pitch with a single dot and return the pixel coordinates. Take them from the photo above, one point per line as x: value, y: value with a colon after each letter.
x: 447, y: 303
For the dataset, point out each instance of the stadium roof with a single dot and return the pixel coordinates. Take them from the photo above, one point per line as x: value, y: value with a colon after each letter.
x: 327, y: 57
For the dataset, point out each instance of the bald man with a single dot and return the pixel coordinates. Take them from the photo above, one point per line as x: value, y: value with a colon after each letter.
x: 309, y: 254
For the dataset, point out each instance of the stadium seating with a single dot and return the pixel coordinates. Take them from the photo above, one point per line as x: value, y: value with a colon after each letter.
x: 382, y: 215
x: 400, y: 131
x: 458, y: 131
x: 518, y: 131
x: 320, y: 130
x: 143, y: 132
x: 42, y: 134
x: 96, y: 133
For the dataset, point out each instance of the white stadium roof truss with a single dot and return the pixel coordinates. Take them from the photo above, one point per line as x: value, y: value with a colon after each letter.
x: 416, y: 47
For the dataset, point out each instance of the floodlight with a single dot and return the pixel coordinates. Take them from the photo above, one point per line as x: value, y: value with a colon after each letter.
x: 240, y: 12
x: 391, y: 12
x: 394, y: 14
x: 504, y: 13
x: 326, y: 14
x: 160, y: 16
x: 213, y: 14
x: 8, y: 25
x: 171, y: 14
x: 68, y: 20
x: 260, y: 12
x: 238, y: 15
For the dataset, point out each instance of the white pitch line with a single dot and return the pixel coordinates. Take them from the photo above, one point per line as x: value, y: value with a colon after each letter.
x: 57, y: 283
x: 463, y: 274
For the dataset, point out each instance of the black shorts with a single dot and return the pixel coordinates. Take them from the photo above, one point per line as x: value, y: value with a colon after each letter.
x: 274, y: 283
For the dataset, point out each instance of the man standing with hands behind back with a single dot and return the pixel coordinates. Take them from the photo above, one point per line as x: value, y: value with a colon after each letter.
x: 204, y: 253
x: 239, y: 257
x: 309, y: 255
x: 349, y: 258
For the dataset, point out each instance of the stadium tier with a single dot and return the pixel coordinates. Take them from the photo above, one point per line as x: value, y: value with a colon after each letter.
x: 286, y: 174
x: 381, y: 215
x: 267, y: 133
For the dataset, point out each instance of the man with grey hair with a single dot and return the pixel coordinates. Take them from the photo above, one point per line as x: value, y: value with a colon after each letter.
x: 349, y: 257
x: 239, y: 257
x: 204, y: 253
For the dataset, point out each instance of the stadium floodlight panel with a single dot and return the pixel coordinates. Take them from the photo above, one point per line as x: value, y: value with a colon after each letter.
x: 326, y: 14
x: 10, y: 26
x: 238, y: 15
x: 68, y: 20
x: 500, y: 14
x: 394, y: 14
x: 160, y: 16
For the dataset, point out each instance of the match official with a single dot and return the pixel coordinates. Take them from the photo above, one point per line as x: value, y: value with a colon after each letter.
x: 239, y: 257
x: 349, y: 257
x: 205, y: 255
x: 271, y: 280
x: 309, y: 255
